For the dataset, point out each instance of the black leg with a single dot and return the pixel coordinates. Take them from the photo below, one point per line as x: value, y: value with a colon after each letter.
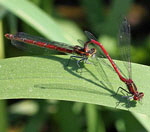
x: 86, y: 61
x: 118, y: 103
x: 80, y: 61
x: 73, y: 57
x: 122, y: 89
x: 126, y: 96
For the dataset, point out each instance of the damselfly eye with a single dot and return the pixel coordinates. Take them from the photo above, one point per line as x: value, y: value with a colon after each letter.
x: 136, y: 98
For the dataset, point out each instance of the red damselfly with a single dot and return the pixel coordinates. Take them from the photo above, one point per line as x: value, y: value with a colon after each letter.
x: 124, y: 38
x: 21, y: 40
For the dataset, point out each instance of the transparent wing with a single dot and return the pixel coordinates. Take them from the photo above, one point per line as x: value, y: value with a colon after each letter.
x: 108, y: 65
x: 98, y: 62
x: 81, y: 42
x: 124, y: 44
x: 36, y: 50
x: 90, y: 35
x: 101, y: 54
x: 22, y: 35
x: 103, y: 61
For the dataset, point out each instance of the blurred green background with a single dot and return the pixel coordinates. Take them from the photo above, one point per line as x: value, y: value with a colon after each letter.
x: 66, y: 21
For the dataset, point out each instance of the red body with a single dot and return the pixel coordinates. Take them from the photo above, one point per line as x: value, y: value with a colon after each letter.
x: 20, y: 38
x: 129, y: 83
x: 33, y: 40
x: 41, y: 44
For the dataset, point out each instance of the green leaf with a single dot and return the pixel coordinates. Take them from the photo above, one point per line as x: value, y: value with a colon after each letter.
x: 50, y: 78
x: 143, y: 119
x: 36, y: 18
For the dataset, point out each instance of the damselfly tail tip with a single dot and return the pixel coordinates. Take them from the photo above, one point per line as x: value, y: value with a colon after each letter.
x: 7, y: 35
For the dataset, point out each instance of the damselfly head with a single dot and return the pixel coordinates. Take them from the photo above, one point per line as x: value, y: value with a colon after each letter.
x: 92, y: 52
x: 8, y: 36
x: 138, y: 96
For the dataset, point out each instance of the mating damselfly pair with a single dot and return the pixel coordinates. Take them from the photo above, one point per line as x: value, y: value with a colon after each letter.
x: 22, y: 40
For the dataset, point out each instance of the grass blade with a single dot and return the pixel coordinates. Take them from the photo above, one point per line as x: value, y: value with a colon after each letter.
x: 36, y: 18
x: 49, y: 78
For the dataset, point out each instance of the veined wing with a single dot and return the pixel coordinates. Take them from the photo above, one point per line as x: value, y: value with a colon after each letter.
x: 25, y: 36
x: 124, y: 44
x: 35, y: 44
